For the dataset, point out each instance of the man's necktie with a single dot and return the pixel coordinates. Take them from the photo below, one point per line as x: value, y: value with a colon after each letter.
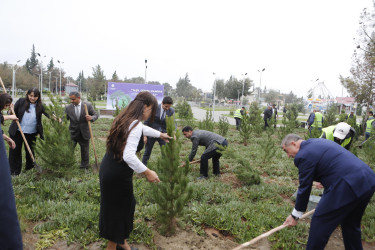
x: 77, y: 111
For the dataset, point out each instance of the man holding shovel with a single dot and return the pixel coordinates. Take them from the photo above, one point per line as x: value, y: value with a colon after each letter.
x: 79, y: 128
x: 348, y: 185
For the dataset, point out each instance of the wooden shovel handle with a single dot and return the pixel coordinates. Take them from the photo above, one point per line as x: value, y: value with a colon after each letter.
x: 92, y: 138
x: 269, y: 232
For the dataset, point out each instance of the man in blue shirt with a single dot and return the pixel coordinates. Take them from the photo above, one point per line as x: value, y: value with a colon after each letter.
x: 348, y: 185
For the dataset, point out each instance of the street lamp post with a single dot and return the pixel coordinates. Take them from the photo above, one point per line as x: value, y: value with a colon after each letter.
x: 49, y: 82
x: 145, y: 71
x: 56, y: 85
x: 243, y: 88
x: 14, y: 68
x: 260, y: 81
x: 60, y: 74
x: 41, y: 75
x: 213, y: 106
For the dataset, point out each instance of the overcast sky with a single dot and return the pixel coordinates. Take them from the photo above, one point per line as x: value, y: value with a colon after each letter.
x: 296, y: 41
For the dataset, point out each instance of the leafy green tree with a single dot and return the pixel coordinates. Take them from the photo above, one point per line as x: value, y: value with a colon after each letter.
x: 154, y: 82
x: 220, y: 88
x: 233, y: 88
x: 135, y: 80
x: 96, y: 83
x: 167, y: 89
x: 271, y: 96
x: 361, y: 83
x: 173, y: 192
x: 56, y: 151
x: 184, y: 88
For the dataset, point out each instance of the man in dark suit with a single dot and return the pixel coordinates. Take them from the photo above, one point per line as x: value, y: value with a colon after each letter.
x: 79, y: 128
x: 163, y: 110
x: 348, y: 187
x: 10, y: 233
x: 210, y: 140
x: 267, y: 115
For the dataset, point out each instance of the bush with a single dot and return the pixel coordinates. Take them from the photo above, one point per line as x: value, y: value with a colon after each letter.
x: 223, y: 125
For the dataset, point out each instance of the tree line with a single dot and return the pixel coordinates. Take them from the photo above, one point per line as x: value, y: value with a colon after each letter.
x: 95, y: 85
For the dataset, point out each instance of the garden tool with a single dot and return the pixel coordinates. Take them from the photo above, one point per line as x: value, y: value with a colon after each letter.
x: 92, y: 139
x: 256, y: 239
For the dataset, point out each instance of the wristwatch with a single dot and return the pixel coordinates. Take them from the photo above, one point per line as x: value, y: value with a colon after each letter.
x: 295, y: 217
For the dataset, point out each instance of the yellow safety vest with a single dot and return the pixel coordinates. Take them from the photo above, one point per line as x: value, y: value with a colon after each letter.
x: 318, y: 120
x: 369, y: 124
x: 237, y: 114
x: 329, y: 135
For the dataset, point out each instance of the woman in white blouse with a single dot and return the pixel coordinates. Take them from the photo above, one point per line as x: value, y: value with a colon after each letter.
x: 117, y: 202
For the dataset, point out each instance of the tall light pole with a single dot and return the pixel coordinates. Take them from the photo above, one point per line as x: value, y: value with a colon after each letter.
x: 60, y: 74
x: 49, y: 83
x: 213, y: 106
x: 260, y: 81
x: 145, y: 71
x: 14, y: 68
x: 41, y: 74
x: 56, y: 85
x: 243, y: 88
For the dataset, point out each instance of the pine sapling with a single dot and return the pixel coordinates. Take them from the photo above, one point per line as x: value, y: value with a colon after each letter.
x: 173, y: 191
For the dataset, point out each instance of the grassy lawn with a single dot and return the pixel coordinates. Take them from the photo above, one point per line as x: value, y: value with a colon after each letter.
x: 68, y: 207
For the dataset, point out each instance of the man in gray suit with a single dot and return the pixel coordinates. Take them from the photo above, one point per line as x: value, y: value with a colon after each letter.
x: 210, y: 140
x: 79, y: 128
x: 164, y: 109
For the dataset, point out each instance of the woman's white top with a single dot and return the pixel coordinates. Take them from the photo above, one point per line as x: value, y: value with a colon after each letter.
x: 129, y: 155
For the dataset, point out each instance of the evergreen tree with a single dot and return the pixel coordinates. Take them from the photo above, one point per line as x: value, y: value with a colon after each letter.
x: 173, y: 192
x: 56, y: 150
x: 32, y: 62
x: 223, y: 125
x: 256, y: 120
x: 330, y: 116
x: 185, y: 114
x: 50, y: 65
x: 115, y: 77
x: 207, y: 123
x: 246, y: 128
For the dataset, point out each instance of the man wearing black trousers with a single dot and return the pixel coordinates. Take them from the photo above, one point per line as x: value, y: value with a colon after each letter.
x: 164, y: 109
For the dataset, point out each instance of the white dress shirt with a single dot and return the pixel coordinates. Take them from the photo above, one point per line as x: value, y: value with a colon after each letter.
x: 129, y: 155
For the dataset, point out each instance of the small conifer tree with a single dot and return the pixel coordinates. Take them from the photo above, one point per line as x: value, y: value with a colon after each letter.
x: 330, y: 116
x: 173, y: 191
x: 56, y: 150
x: 207, y: 123
x: 246, y: 128
x: 223, y: 125
x: 256, y: 119
x: 185, y: 114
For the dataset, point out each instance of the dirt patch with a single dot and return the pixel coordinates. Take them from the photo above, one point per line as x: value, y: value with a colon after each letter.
x: 187, y: 240
x: 231, y: 179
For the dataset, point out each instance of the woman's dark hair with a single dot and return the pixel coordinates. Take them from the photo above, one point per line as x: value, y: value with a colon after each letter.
x: 38, y: 103
x: 5, y: 99
x: 119, y: 132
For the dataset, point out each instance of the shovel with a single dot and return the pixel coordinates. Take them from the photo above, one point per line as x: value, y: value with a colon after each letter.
x: 23, y: 136
x: 92, y: 138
